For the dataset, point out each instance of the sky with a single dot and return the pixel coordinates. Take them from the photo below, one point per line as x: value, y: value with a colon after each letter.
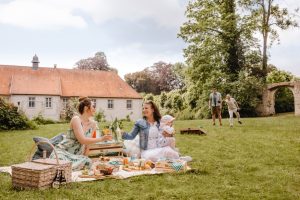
x: 133, y: 34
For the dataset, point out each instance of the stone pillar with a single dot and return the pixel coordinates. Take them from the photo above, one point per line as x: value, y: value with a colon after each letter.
x: 266, y: 107
x: 297, y: 98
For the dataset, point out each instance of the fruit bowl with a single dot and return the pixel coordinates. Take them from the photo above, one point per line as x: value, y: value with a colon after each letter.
x: 107, y: 171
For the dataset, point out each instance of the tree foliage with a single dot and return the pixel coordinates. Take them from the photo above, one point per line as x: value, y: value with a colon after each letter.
x: 223, y: 51
x: 157, y: 78
x: 98, y: 62
x: 268, y: 17
x: 11, y: 119
x: 220, y: 54
x: 277, y: 76
x: 215, y: 32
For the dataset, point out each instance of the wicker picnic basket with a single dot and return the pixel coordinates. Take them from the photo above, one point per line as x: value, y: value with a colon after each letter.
x: 39, y: 173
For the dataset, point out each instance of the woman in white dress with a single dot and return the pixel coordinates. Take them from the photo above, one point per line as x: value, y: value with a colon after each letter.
x: 149, y: 132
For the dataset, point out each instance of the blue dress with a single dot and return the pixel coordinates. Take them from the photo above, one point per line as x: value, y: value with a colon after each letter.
x: 70, y: 149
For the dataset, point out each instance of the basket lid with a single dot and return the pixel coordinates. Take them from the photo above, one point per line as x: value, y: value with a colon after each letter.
x: 32, y: 166
x: 51, y: 161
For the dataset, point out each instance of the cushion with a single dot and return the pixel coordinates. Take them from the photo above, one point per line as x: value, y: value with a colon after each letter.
x: 41, y: 147
x: 132, y: 147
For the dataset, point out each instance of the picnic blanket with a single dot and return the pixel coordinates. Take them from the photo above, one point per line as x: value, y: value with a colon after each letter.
x: 121, y: 174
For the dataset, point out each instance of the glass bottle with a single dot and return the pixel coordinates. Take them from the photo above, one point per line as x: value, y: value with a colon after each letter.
x: 63, y: 180
x: 56, y: 181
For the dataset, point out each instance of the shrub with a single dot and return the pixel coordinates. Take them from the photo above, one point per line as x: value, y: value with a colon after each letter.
x: 70, y: 110
x: 186, y: 114
x: 99, y: 116
x: 127, y: 118
x: 40, y: 120
x: 149, y: 97
x: 11, y: 119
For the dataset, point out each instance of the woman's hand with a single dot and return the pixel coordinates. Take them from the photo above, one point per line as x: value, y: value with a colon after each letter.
x: 106, y: 137
x: 165, y: 134
x: 122, y: 132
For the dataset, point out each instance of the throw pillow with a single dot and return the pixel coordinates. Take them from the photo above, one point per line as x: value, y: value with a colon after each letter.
x: 46, y: 147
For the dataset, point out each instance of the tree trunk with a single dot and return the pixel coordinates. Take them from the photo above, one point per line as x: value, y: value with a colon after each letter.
x: 266, y: 30
x: 265, y: 57
x: 231, y: 39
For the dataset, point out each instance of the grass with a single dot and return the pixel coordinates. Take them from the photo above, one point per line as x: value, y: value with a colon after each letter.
x: 257, y: 160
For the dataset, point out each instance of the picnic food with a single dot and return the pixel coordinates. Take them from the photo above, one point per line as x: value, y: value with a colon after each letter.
x: 106, y: 131
x: 85, y: 171
x: 150, y: 163
x: 103, y: 168
x: 125, y: 161
x: 163, y: 164
x: 107, y: 170
x: 104, y: 158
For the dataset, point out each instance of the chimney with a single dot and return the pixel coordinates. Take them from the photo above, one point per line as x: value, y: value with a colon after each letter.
x: 35, y: 62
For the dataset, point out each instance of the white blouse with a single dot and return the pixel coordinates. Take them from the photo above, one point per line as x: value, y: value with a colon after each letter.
x: 153, y: 136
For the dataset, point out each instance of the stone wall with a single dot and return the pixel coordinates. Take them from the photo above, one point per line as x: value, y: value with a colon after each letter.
x: 267, y: 106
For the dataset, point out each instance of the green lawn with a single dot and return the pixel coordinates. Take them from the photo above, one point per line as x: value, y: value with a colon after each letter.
x: 257, y: 160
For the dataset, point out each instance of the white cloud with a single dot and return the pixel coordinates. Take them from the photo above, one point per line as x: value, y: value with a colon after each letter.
x: 165, y: 13
x: 132, y: 58
x: 35, y: 14
x: 53, y: 14
x: 286, y: 54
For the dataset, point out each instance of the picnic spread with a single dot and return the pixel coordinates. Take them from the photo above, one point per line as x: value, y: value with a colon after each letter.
x: 55, y: 168
x: 28, y: 175
x: 124, y: 167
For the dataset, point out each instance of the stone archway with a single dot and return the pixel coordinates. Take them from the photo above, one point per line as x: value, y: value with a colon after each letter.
x: 268, y: 99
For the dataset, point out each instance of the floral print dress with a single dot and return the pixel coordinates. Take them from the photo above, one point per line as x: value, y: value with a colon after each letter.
x: 70, y: 149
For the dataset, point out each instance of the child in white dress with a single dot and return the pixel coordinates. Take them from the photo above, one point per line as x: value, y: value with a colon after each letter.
x: 166, y: 125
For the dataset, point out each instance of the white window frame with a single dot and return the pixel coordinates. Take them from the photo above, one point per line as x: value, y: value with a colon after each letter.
x: 110, y: 104
x: 48, y: 102
x: 65, y: 102
x: 127, y: 104
x: 31, y: 102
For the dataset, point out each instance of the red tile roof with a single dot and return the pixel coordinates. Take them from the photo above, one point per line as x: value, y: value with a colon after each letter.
x: 63, y: 82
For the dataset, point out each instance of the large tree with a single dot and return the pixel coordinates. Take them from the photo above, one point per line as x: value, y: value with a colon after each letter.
x: 98, y: 62
x: 268, y: 17
x: 159, y: 77
x: 141, y: 82
x: 220, y: 54
x: 214, y: 32
x: 214, y: 55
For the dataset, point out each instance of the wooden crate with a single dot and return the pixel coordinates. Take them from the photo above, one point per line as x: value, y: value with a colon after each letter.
x: 197, y: 131
x: 103, y: 149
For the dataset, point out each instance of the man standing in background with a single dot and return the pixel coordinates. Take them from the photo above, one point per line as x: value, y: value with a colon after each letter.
x: 215, y: 104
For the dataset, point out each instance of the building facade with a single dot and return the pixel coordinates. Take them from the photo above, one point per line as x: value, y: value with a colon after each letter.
x: 46, y: 91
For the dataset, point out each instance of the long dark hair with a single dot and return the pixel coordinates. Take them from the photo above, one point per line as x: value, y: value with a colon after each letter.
x: 156, y: 113
x: 84, y: 101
